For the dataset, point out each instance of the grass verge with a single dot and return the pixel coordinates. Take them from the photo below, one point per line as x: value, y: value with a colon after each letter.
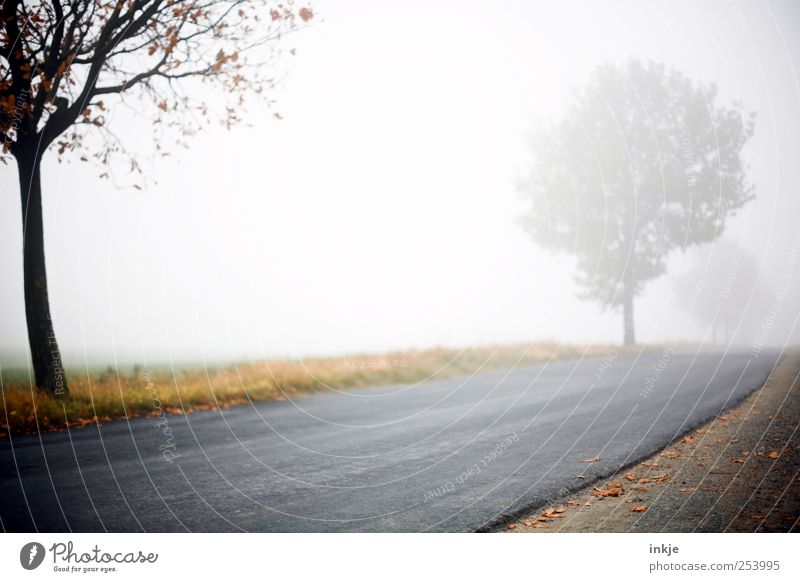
x: 97, y: 397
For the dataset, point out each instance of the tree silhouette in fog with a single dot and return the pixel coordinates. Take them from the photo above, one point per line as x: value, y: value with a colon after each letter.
x: 722, y: 290
x: 65, y: 65
x: 643, y: 162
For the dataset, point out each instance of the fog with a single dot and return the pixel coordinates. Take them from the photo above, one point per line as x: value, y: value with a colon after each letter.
x: 382, y: 209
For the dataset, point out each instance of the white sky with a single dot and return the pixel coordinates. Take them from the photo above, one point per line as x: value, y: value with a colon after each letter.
x: 381, y: 211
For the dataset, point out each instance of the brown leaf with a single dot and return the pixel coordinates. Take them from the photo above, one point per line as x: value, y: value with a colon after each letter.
x: 687, y: 489
x: 670, y: 454
x: 663, y: 478
x: 607, y: 491
x: 687, y: 440
x: 592, y: 460
x: 760, y: 516
x: 630, y: 476
x: 639, y: 508
x: 553, y: 513
x: 738, y: 461
x: 651, y: 465
x: 774, y: 455
x: 640, y: 489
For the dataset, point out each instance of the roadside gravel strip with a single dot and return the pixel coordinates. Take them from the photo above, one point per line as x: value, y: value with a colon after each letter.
x: 738, y: 473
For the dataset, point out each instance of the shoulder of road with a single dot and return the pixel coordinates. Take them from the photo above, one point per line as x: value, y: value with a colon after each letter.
x: 739, y: 473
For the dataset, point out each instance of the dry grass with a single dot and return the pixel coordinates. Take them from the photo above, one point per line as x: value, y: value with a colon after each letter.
x: 100, y: 397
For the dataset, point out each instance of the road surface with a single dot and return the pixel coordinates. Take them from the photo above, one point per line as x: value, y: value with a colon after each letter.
x: 446, y: 455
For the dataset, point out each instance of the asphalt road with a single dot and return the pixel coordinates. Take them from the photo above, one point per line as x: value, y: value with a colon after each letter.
x: 447, y: 455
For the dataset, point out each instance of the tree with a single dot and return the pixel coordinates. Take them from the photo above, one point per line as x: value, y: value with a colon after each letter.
x: 64, y: 65
x: 722, y: 289
x: 642, y: 163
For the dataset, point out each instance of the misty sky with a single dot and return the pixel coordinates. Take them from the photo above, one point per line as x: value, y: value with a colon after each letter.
x: 381, y: 211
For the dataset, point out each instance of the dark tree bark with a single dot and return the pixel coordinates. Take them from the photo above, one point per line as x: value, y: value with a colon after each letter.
x: 45, y: 354
x: 627, y: 316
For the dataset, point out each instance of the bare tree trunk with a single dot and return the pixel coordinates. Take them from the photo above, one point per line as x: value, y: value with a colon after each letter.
x: 627, y: 315
x: 45, y: 354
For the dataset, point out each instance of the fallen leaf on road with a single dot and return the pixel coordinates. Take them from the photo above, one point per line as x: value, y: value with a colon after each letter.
x: 670, y: 454
x: 687, y: 489
x: 574, y: 503
x: 687, y: 440
x: 639, y: 508
x: 651, y: 465
x: 774, y: 455
x: 760, y: 516
x: 608, y: 491
x: 553, y: 513
x: 512, y: 526
x: 663, y: 478
x: 640, y: 489
x: 630, y: 477
x: 592, y: 460
x: 738, y: 461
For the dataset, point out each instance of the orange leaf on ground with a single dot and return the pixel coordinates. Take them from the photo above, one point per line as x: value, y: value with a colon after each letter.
x: 630, y: 477
x: 687, y: 440
x: 670, y: 455
x: 512, y: 526
x: 553, y: 513
x: 592, y: 460
x: 639, y: 508
x: 640, y: 489
x: 774, y: 455
x: 608, y: 491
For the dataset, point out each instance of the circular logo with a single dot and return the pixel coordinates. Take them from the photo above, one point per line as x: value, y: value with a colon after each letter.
x: 31, y: 555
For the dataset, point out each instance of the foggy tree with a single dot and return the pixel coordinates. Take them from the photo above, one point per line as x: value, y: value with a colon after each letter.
x: 65, y: 65
x: 721, y: 290
x: 642, y: 162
